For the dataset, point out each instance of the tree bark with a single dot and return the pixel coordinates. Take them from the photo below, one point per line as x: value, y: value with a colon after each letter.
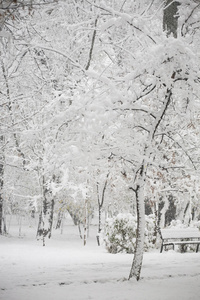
x: 1, y: 185
x: 60, y: 219
x: 46, y: 215
x: 1, y: 210
x: 85, y: 222
x: 100, y: 205
x: 139, y: 248
x: 170, y: 18
x: 139, y: 191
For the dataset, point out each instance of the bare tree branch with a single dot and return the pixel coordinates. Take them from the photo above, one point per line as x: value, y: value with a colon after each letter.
x: 92, y: 46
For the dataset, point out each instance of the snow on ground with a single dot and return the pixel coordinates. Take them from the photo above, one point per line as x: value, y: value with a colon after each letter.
x: 66, y: 270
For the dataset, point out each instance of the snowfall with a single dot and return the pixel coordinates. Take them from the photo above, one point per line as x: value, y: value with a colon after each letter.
x: 65, y: 269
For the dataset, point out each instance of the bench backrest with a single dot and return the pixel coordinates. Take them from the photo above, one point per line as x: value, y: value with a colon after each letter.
x: 178, y: 233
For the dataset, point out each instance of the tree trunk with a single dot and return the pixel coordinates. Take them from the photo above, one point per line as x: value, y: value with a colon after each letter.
x: 1, y: 187
x: 51, y: 218
x: 99, y: 225
x: 39, y: 230
x: 170, y: 17
x: 100, y: 213
x: 100, y: 205
x: 1, y: 214
x: 79, y: 230
x: 60, y: 219
x: 46, y: 216
x: 85, y: 222
x: 139, y: 190
x: 139, y: 248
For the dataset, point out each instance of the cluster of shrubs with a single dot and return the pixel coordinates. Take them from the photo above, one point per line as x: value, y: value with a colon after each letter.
x: 119, y: 234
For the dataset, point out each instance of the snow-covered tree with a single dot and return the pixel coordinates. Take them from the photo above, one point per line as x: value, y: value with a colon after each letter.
x: 105, y: 82
x: 151, y: 91
x: 14, y: 87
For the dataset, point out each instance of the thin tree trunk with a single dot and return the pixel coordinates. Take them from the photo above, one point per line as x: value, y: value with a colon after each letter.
x: 20, y: 225
x: 1, y: 214
x: 139, y: 248
x: 1, y: 184
x: 39, y: 233
x: 59, y: 220
x: 85, y: 223
x: 139, y: 192
x: 51, y: 218
x: 79, y: 229
x: 4, y: 225
x: 47, y: 213
x: 100, y: 205
x: 99, y: 225
x: 62, y: 225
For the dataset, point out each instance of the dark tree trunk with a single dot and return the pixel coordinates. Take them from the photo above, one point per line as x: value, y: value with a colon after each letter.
x: 59, y: 220
x: 1, y: 214
x: 39, y: 229
x: 170, y: 17
x: 51, y: 217
x: 79, y: 230
x: 100, y: 205
x: 171, y: 211
x: 85, y: 222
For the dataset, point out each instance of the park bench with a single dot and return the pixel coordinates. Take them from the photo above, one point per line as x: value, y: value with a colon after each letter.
x: 180, y: 236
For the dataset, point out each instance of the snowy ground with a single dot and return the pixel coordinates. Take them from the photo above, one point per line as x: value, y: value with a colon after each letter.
x: 66, y: 270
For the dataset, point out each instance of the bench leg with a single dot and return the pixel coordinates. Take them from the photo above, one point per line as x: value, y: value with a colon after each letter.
x: 197, y: 248
x: 161, y: 249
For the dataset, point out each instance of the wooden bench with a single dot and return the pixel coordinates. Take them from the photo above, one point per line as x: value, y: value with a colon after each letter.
x: 180, y: 236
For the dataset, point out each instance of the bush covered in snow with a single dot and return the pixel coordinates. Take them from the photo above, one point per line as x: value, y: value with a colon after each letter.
x: 195, y: 224
x: 119, y: 233
x: 180, y: 224
x: 150, y: 234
